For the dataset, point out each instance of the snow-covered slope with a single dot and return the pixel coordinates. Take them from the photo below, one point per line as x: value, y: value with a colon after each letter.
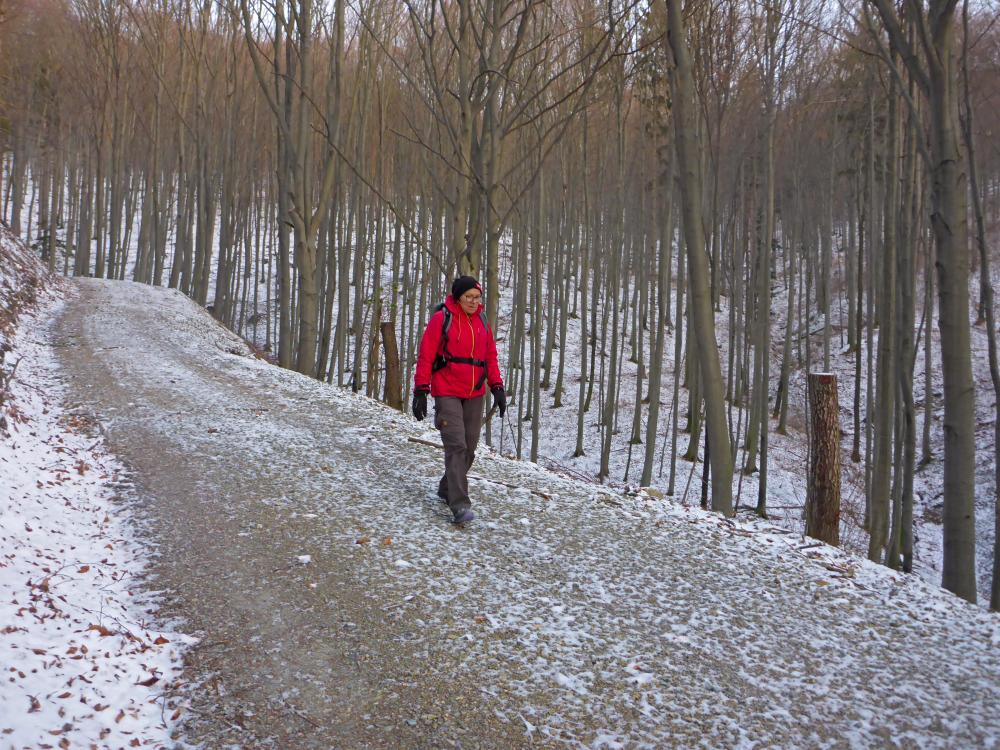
x: 82, y: 664
x: 788, y: 463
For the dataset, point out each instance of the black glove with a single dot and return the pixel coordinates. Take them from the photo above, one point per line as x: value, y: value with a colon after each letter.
x: 420, y: 402
x: 499, y: 400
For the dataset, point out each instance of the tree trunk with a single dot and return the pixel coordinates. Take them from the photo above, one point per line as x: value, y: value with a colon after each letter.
x: 823, y: 500
x: 886, y: 383
x: 393, y: 394
x: 949, y: 221
x: 701, y: 302
x: 662, y: 314
x: 986, y: 297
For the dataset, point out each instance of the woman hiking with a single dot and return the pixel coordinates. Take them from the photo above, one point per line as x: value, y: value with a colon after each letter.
x: 457, y: 360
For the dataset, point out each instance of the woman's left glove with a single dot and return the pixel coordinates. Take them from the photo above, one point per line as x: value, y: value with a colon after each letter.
x: 499, y: 399
x: 420, y: 402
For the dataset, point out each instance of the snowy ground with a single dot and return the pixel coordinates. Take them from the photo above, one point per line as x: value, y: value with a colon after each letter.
x: 335, y: 601
x: 84, y: 661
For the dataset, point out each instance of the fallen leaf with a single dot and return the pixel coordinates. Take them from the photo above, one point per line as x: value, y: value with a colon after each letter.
x: 387, y: 541
x: 35, y: 705
x: 119, y: 717
x: 363, y: 540
x: 149, y: 683
x: 160, y: 641
x: 100, y: 629
x: 83, y: 569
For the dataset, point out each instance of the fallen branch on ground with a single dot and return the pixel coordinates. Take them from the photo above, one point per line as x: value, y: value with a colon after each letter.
x: 425, y: 442
x: 511, y: 486
x: 421, y: 441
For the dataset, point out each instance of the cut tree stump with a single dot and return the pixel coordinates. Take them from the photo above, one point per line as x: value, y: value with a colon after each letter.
x: 823, y: 498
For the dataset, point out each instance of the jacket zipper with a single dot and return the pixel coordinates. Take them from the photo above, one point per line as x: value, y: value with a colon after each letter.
x: 472, y: 354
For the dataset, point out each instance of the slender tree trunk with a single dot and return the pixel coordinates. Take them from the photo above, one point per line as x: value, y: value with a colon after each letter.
x: 864, y: 229
x: 537, y: 251
x: 701, y: 302
x: 949, y: 221
x: 662, y: 305
x: 781, y: 400
x: 585, y: 252
x: 675, y: 408
x: 986, y: 297
x: 886, y: 381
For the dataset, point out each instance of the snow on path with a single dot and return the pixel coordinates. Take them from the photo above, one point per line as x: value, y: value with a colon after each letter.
x: 572, y: 618
x: 81, y: 665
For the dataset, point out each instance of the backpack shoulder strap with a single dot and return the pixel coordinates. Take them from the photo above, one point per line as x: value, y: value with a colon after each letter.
x: 442, y: 351
x: 445, y: 324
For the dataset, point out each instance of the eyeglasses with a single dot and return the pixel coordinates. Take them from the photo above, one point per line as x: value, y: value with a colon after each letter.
x: 471, y: 297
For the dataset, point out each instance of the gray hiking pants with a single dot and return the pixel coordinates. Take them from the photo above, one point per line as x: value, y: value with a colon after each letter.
x: 460, y: 421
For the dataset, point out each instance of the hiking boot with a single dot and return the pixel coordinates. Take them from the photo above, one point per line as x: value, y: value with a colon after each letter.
x: 464, y: 516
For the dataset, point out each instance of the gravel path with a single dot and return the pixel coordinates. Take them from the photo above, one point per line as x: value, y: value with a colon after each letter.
x: 579, y: 619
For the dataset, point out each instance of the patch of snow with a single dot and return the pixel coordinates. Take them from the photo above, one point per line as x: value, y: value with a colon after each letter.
x: 84, y: 662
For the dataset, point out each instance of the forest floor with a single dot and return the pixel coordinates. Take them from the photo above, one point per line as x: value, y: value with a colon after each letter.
x: 296, y: 538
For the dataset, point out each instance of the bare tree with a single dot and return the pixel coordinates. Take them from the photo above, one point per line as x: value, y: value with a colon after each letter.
x: 701, y: 303
x: 937, y: 77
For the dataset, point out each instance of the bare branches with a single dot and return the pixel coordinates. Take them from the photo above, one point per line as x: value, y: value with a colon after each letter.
x: 901, y: 43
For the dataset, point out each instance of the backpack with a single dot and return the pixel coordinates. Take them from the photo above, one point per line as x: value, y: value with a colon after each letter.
x: 443, y: 358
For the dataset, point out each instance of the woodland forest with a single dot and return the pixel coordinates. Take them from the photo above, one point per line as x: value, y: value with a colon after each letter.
x: 747, y: 189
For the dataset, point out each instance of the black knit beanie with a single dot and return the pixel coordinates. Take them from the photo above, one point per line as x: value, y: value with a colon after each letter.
x: 463, y: 284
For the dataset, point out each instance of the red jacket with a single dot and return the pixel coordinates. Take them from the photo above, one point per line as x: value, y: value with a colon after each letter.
x: 468, y: 337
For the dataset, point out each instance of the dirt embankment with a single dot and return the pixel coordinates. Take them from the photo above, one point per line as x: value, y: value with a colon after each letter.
x: 22, y: 278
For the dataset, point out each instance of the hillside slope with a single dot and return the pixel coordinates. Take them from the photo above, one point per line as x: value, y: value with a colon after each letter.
x: 83, y: 661
x: 297, y: 536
